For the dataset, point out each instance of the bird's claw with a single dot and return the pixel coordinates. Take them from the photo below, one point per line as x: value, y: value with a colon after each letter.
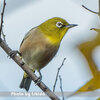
x: 13, y: 53
x: 38, y: 80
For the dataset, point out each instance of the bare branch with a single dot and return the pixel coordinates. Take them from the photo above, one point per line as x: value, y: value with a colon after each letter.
x: 89, y: 9
x: 58, y: 74
x: 98, y: 13
x: 4, y: 36
x: 61, y: 87
x: 2, y: 15
x: 44, y: 88
x: 99, y: 9
x: 7, y: 49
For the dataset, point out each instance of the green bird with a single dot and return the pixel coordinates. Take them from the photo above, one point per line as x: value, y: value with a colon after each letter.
x: 41, y: 44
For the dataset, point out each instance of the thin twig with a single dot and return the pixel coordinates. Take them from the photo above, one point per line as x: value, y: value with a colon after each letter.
x: 89, y: 9
x: 2, y: 17
x: 98, y: 13
x: 3, y: 36
x: 61, y: 87
x: 99, y: 8
x: 58, y: 74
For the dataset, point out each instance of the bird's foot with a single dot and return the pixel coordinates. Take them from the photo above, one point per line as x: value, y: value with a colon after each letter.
x: 13, y: 53
x: 38, y: 80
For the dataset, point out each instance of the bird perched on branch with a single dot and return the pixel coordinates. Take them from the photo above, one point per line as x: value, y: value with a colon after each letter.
x: 41, y: 44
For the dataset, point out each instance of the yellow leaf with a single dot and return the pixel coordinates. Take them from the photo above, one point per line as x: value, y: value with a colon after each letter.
x: 91, y: 85
x: 86, y: 49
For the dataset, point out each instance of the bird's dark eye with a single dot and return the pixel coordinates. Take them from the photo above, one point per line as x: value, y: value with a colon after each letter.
x: 59, y: 24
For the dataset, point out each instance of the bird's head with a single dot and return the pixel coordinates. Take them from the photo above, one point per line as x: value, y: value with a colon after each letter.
x: 55, y: 29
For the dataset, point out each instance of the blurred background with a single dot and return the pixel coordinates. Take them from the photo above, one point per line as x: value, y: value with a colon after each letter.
x: 22, y: 15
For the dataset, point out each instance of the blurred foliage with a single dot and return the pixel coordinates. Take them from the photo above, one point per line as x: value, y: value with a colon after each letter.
x: 98, y: 99
x: 86, y: 49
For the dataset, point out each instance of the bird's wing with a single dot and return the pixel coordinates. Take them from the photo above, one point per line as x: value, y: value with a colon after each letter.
x: 26, y: 36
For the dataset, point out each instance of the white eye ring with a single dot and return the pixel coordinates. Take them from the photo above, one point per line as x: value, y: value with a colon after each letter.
x: 59, y: 24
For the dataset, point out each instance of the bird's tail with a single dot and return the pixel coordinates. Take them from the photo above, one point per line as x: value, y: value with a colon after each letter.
x: 25, y: 83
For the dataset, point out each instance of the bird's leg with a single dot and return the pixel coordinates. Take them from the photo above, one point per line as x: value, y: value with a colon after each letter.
x: 13, y: 53
x: 39, y: 78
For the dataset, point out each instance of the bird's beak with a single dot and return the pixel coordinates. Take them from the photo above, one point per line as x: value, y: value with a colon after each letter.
x: 71, y: 25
